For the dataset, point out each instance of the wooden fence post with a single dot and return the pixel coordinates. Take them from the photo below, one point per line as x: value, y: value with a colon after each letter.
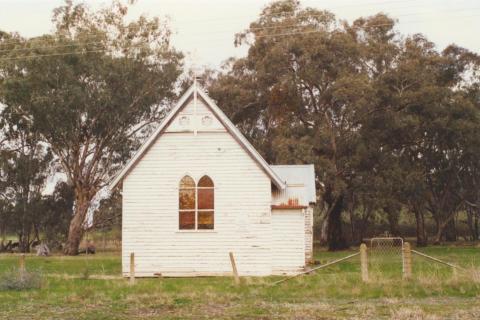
x: 364, y: 262
x: 132, y: 268
x: 234, y: 268
x: 407, y: 261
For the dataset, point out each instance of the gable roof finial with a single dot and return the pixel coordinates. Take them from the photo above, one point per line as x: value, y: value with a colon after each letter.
x: 194, y: 68
x: 197, y: 79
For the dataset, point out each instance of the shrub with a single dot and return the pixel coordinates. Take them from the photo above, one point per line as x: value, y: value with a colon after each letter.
x: 14, y: 280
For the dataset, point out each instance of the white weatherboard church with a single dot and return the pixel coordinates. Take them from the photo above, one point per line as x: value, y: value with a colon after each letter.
x: 197, y: 190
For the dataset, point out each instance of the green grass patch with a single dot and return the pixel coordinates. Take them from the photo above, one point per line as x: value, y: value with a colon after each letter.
x: 105, y: 263
x: 334, y: 292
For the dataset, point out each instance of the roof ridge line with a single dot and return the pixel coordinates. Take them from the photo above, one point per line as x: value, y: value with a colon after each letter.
x: 231, y: 128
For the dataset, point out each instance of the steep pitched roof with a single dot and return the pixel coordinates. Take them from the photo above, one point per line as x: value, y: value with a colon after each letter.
x: 237, y: 135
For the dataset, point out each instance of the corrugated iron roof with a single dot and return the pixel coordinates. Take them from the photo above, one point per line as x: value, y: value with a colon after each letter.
x: 300, y: 182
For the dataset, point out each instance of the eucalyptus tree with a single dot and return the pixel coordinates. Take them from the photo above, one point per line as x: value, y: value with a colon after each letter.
x: 387, y: 120
x: 426, y: 128
x: 469, y: 178
x: 25, y: 163
x: 90, y: 89
x: 442, y: 124
x: 302, y: 89
x: 57, y: 211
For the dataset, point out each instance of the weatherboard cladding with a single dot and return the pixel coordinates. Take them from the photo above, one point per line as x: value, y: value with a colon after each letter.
x: 195, y: 91
x: 264, y: 241
x: 288, y: 241
x: 299, y: 194
x: 242, y: 209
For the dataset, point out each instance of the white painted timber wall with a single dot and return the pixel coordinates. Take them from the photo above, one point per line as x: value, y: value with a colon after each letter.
x: 288, y: 245
x: 242, y: 209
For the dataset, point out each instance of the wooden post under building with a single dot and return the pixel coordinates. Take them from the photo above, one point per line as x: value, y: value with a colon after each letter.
x: 132, y: 268
x: 234, y: 268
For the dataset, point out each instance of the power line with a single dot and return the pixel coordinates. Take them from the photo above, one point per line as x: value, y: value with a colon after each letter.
x: 51, y: 47
x: 102, y: 33
x: 51, y: 36
x: 373, y: 25
x: 394, y: 17
x: 376, y: 3
x: 64, y: 53
x: 319, y: 16
x: 85, y: 37
x: 50, y: 55
x: 256, y: 36
x: 327, y: 9
x: 293, y: 26
x: 354, y: 27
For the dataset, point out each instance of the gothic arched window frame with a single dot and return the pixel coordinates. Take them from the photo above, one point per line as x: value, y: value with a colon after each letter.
x: 196, y: 203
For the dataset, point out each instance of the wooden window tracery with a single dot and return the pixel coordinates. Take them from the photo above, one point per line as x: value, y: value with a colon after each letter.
x: 196, y: 204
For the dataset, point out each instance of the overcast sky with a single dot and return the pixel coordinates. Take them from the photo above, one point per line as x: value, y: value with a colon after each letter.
x: 204, y: 29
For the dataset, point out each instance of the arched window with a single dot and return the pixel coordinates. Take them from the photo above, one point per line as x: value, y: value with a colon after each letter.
x: 205, y: 203
x: 187, y: 203
x: 196, y: 204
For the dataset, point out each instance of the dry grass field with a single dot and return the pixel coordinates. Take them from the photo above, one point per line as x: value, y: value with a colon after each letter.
x: 90, y: 288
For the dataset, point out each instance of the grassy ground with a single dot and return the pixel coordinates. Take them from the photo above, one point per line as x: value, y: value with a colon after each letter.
x: 82, y: 288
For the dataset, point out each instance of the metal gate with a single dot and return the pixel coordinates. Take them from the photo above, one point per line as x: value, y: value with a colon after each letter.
x: 386, y: 256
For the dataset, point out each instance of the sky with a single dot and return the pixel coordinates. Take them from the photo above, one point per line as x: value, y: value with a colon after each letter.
x: 204, y: 29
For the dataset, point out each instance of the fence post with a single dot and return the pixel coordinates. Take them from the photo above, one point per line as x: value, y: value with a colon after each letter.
x: 407, y: 261
x: 132, y: 268
x: 364, y: 262
x: 234, y: 268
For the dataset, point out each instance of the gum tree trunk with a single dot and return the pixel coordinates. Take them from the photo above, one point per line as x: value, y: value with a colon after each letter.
x: 450, y: 231
x: 335, y: 238
x: 323, y: 236
x: 441, y: 229
x: 76, y: 229
x: 421, y: 232
x: 393, y: 214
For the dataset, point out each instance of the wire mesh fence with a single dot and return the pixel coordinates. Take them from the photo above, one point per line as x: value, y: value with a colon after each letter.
x: 386, y: 257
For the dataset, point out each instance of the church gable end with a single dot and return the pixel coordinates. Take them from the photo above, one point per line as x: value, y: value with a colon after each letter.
x: 195, y: 116
x: 196, y: 112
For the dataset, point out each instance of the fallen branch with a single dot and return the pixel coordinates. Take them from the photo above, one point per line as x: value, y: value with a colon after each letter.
x: 317, y: 268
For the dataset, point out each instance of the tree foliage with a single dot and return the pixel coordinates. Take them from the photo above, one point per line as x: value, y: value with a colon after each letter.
x: 388, y: 121
x: 90, y: 90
